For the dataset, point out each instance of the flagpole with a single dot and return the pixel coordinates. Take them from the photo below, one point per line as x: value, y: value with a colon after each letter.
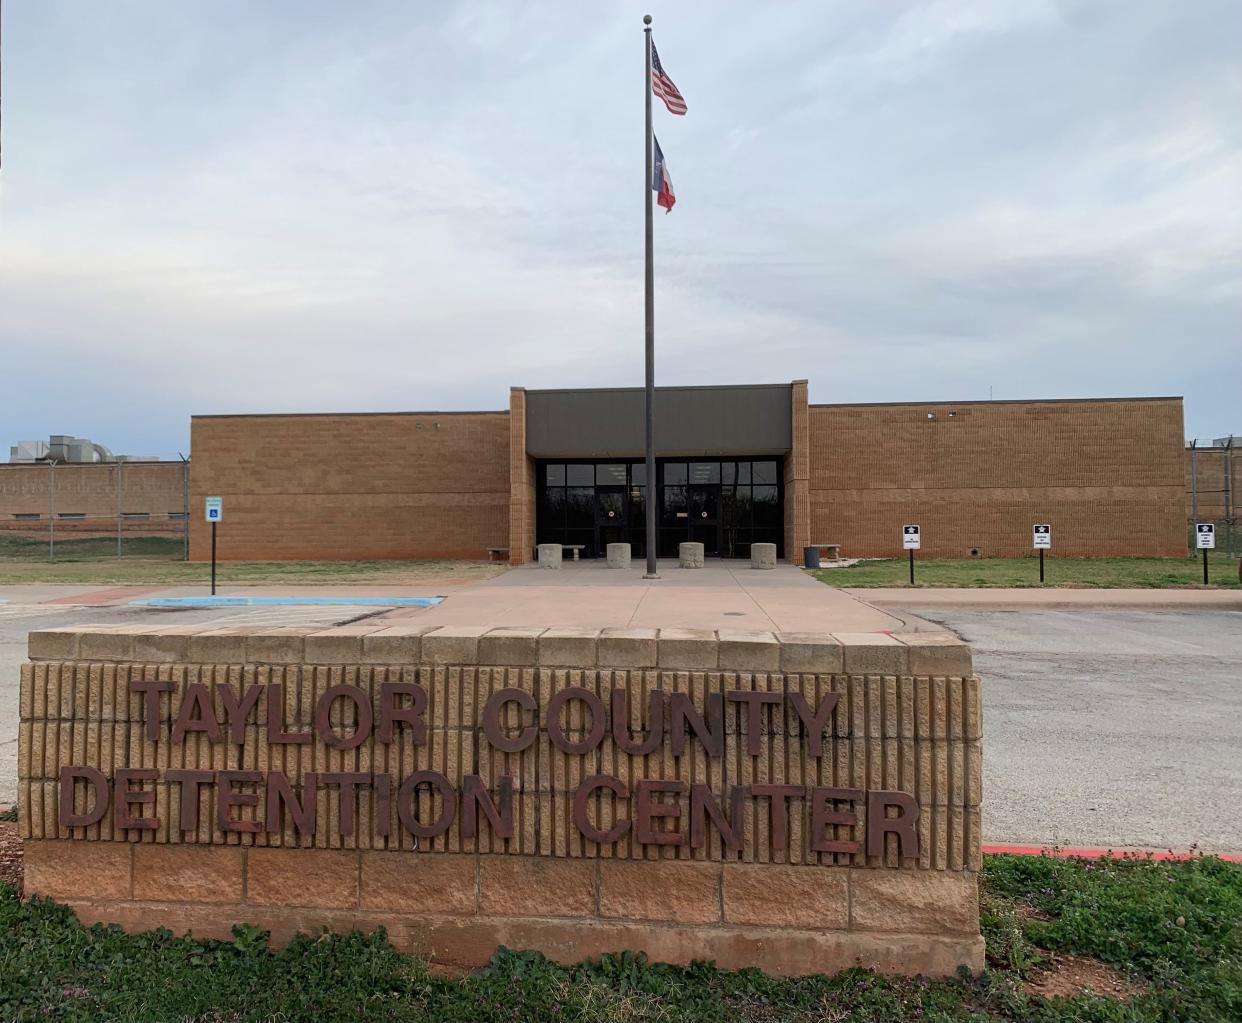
x: 652, y: 490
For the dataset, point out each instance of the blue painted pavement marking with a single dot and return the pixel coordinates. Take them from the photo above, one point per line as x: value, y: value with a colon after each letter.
x: 287, y: 601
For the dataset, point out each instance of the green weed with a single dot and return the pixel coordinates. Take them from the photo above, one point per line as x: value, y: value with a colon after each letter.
x: 1172, y: 926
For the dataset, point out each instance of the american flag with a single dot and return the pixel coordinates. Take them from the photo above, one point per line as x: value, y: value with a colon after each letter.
x: 663, y: 86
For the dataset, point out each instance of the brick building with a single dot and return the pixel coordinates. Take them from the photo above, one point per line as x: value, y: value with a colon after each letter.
x: 736, y: 465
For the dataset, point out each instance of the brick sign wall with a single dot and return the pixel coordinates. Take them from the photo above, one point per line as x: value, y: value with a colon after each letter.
x: 803, y: 803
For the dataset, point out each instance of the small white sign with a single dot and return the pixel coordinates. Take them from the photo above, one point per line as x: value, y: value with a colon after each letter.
x: 911, y: 539
x: 1205, y: 536
x: 214, y: 509
x: 1042, y: 536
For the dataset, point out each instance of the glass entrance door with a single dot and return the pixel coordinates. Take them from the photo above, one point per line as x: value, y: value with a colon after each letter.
x: 705, y: 518
x: 725, y: 504
x: 611, y: 524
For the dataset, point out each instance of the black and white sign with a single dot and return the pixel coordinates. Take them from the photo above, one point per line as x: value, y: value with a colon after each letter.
x: 1042, y: 536
x: 1205, y: 536
x: 911, y: 539
x: 214, y: 509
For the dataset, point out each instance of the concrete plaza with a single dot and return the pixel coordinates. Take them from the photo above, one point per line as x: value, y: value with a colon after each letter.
x: 721, y: 595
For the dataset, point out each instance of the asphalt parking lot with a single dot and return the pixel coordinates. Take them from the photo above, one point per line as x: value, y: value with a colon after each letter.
x: 1109, y: 728
x: 1117, y: 729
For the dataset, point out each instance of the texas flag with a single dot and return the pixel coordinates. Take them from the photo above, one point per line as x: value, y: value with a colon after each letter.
x: 661, y: 183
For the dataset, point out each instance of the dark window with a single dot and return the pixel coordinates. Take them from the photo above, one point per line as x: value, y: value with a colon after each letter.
x: 611, y: 506
x: 71, y: 515
x: 136, y: 516
x: 27, y: 516
x: 673, y: 510
x: 743, y: 472
x: 638, y: 474
x: 579, y: 508
x: 764, y: 472
x: 737, y: 507
x: 553, y: 511
x: 704, y: 504
x: 556, y: 475
x: 580, y: 475
x: 610, y: 475
x: 704, y: 472
x: 728, y: 472
x: 177, y: 515
x: 675, y: 473
x: 767, y: 509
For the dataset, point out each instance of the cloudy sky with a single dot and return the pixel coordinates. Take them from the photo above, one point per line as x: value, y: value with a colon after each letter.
x: 313, y: 206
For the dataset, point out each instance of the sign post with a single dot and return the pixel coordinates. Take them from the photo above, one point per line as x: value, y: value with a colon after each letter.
x: 1041, y: 539
x: 1205, y: 540
x: 911, y: 540
x: 213, y: 509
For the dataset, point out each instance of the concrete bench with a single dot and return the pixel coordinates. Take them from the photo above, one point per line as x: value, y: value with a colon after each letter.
x: 498, y: 552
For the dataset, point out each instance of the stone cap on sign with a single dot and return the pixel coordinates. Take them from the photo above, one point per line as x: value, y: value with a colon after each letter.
x: 853, y: 653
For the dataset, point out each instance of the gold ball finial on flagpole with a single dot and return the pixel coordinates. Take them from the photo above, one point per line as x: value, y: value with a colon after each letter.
x: 646, y: 19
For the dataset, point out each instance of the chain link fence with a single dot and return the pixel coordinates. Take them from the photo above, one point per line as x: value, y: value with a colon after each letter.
x: 91, y: 511
x: 1212, y: 487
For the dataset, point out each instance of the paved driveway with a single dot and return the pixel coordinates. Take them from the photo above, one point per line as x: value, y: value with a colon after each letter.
x: 1109, y: 728
x: 17, y: 620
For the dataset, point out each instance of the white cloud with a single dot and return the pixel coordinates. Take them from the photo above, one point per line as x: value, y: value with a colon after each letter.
x: 399, y: 207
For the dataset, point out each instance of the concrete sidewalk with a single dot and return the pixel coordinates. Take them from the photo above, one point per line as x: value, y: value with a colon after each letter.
x: 721, y: 595
x: 1024, y: 599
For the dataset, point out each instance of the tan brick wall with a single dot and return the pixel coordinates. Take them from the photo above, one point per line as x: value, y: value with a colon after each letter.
x: 432, y: 485
x: 907, y: 720
x: 154, y: 488
x: 1108, y: 476
x: 521, y: 483
x: 797, y: 476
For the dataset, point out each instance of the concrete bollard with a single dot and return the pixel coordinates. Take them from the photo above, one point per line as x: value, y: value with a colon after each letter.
x: 690, y: 555
x: 763, y: 555
x: 549, y: 555
x: 618, y: 555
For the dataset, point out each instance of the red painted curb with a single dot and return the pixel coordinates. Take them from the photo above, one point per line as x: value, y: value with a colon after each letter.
x: 1095, y: 854
x: 113, y: 595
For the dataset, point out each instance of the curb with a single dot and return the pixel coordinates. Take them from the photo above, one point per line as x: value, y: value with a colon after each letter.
x: 1096, y: 854
x: 234, y: 601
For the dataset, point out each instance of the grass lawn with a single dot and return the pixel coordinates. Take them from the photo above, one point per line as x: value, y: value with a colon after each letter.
x: 157, y: 561
x: 1161, y: 941
x: 1082, y: 572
